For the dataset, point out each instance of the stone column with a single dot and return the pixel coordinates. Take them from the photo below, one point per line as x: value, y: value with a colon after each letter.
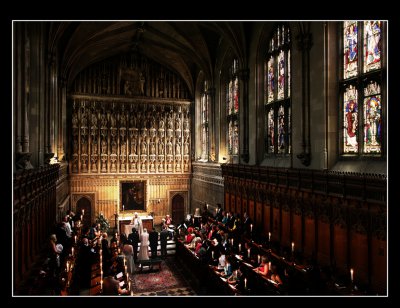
x: 243, y: 124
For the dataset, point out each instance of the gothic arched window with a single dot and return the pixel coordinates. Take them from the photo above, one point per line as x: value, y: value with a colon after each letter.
x: 232, y: 109
x: 277, y: 93
x: 361, y: 81
x: 204, y: 105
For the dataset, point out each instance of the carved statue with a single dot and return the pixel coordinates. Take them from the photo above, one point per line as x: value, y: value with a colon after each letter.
x: 83, y: 146
x: 161, y: 147
x: 186, y: 148
x: 122, y: 120
x: 142, y: 81
x: 144, y: 147
x: 103, y: 120
x: 152, y: 148
x: 113, y: 147
x: 161, y: 124
x: 123, y: 148
x: 169, y: 122
x: 84, y: 120
x: 178, y: 148
x: 133, y: 146
x: 74, y: 120
x: 94, y: 121
x: 127, y: 88
x: 178, y: 123
x: 186, y: 123
x: 113, y: 120
x: 103, y: 146
x: 94, y: 146
x: 169, y: 147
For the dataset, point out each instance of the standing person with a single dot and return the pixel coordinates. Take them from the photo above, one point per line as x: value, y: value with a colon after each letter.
x: 133, y: 239
x: 218, y: 212
x: 153, y: 238
x: 127, y: 250
x: 163, y: 240
x: 144, y: 246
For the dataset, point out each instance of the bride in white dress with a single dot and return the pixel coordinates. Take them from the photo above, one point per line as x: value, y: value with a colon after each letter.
x: 144, y: 246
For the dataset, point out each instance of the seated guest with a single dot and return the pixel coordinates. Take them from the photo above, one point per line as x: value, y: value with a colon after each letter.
x: 117, y: 265
x: 221, y: 260
x: 92, y: 232
x: 111, y: 287
x: 263, y: 269
x: 274, y: 275
x: 198, y: 245
x: 218, y: 212
x: 227, y: 268
x: 168, y: 220
x: 190, y: 236
x: 235, y: 277
x: 224, y: 218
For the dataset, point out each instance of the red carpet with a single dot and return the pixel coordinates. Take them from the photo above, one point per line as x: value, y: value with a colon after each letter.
x: 155, y: 281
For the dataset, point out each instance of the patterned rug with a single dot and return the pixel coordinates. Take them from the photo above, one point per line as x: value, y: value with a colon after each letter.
x: 156, y: 280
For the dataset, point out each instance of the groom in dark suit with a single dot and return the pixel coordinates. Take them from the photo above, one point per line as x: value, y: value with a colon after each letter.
x: 153, y: 239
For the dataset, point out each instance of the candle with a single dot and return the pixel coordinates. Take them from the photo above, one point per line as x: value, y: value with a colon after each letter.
x: 269, y: 265
x: 236, y: 274
x: 126, y: 269
x: 292, y: 246
x: 119, y: 250
x: 185, y: 238
x: 251, y: 227
x: 216, y: 211
x: 240, y: 247
x: 81, y: 217
x: 212, y: 254
x: 83, y: 212
x: 72, y: 251
x: 101, y: 284
x: 123, y: 207
x: 258, y: 258
x: 245, y: 283
x: 351, y: 275
x: 232, y: 241
x: 129, y: 285
x: 67, y: 269
x: 75, y: 239
x: 193, y: 220
x: 207, y: 206
x: 269, y: 236
x: 248, y: 253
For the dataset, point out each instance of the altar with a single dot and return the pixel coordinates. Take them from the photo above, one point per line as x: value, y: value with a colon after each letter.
x: 125, y: 220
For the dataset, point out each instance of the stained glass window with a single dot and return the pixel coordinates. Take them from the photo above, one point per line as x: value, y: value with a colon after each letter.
x: 232, y: 106
x: 277, y: 92
x: 361, y: 88
x: 204, y: 123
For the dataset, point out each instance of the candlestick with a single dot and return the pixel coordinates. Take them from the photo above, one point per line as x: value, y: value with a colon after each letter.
x: 269, y: 236
x: 351, y: 275
x: 251, y: 227
x: 248, y: 253
x: 240, y: 247
x: 212, y: 254
x: 258, y: 258
x: 292, y: 246
x: 245, y: 283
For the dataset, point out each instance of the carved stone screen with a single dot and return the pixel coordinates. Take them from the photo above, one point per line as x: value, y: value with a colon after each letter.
x: 129, y: 116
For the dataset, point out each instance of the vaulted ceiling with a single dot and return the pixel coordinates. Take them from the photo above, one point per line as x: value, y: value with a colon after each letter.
x: 184, y: 47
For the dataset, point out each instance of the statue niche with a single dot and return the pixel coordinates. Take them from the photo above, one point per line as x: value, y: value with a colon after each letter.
x: 132, y: 81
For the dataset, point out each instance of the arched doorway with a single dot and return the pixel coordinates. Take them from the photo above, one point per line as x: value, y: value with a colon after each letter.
x: 178, y: 209
x: 85, y: 204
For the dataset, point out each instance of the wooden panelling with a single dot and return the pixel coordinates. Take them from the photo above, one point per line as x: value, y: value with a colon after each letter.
x: 296, y: 230
x: 340, y: 247
x: 323, y: 207
x: 323, y: 243
x: 276, y: 223
x: 267, y: 219
x: 250, y: 210
x: 379, y: 264
x: 285, y: 241
x: 227, y: 205
x: 359, y: 256
x: 258, y: 217
x: 309, y: 237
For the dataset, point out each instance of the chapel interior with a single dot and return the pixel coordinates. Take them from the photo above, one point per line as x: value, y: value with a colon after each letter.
x: 257, y: 151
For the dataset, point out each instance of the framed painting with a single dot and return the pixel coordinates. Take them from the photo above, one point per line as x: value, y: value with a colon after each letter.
x: 132, y: 196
